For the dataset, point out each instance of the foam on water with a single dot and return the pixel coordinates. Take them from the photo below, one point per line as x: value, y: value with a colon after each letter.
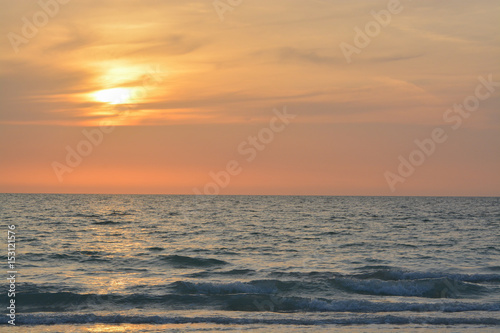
x: 364, y: 320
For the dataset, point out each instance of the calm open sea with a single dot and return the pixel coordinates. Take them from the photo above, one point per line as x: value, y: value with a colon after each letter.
x: 166, y: 263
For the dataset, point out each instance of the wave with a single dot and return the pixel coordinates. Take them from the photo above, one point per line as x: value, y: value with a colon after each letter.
x: 259, y: 296
x: 383, y: 272
x: 254, y: 287
x: 430, y: 288
x: 122, y: 213
x: 122, y: 263
x: 427, y: 288
x: 386, y: 281
x: 274, y: 303
x: 186, y: 262
x: 107, y: 222
x: 112, y: 213
x: 85, y: 215
x: 78, y: 256
x: 137, y: 319
x: 237, y: 272
x: 208, y: 273
x: 73, y: 301
x: 494, y: 268
x: 156, y: 248
x: 388, y: 273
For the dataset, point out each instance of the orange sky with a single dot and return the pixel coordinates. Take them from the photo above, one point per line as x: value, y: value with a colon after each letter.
x: 186, y: 86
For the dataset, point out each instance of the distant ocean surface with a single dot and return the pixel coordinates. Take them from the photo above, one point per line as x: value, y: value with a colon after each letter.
x: 166, y: 263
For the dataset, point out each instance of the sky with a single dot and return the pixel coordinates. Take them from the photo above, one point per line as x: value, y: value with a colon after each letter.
x: 286, y: 97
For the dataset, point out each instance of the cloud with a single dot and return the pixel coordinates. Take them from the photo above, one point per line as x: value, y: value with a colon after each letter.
x: 74, y: 38
x: 169, y: 45
x: 308, y: 56
x: 396, y: 57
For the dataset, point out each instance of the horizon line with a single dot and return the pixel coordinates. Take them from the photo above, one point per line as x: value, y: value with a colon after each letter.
x: 268, y: 195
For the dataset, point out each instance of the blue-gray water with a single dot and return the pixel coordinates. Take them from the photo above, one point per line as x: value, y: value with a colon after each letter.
x: 139, y: 263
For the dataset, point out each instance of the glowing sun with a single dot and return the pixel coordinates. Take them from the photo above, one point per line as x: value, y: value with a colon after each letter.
x: 114, y: 95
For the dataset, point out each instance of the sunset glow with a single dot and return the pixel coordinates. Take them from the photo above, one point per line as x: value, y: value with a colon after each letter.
x: 114, y: 95
x: 250, y: 165
x: 186, y: 84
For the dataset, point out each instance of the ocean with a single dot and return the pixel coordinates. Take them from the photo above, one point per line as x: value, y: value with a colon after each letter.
x: 181, y: 263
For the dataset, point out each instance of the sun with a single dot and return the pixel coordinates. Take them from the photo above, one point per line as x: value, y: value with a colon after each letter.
x: 114, y: 95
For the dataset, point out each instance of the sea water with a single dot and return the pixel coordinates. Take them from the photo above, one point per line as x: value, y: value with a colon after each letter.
x: 167, y: 263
